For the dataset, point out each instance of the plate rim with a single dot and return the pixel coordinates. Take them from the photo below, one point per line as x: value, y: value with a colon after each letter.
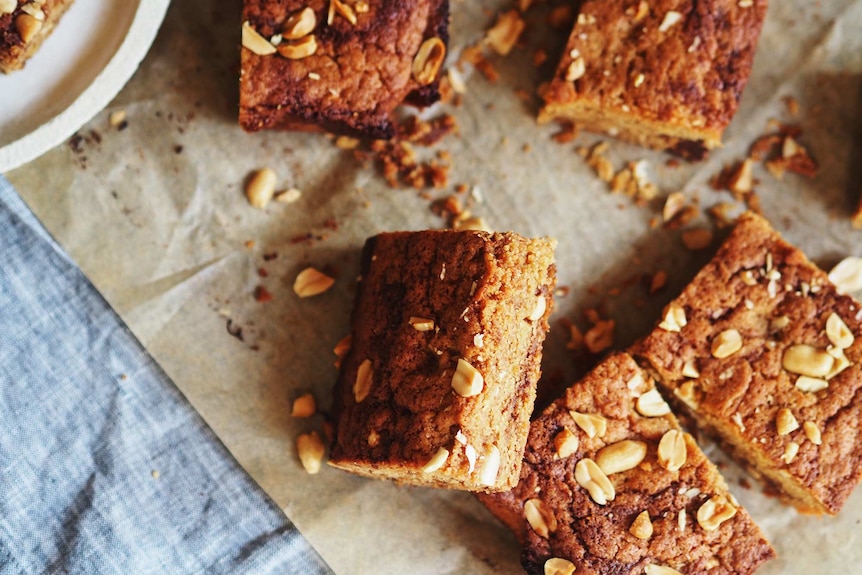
x: 107, y: 84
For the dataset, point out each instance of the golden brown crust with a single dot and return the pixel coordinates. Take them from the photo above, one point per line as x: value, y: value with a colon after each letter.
x: 358, y: 75
x: 597, y: 538
x: 14, y: 52
x: 655, y: 80
x: 479, y: 289
x: 775, y: 298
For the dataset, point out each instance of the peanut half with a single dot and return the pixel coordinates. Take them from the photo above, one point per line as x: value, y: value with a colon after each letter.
x: 428, y: 60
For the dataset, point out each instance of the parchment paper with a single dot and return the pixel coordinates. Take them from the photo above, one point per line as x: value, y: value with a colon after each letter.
x: 156, y: 217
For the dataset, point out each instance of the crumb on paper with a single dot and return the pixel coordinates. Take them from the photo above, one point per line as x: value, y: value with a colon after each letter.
x: 262, y: 295
x: 400, y: 160
x: 696, y: 239
x: 117, y: 119
x: 505, y: 33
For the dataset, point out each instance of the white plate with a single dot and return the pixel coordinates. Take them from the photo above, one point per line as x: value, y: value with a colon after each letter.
x: 92, y: 53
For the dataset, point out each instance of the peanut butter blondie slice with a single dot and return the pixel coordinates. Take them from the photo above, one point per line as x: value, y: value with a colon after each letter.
x: 762, y: 353
x: 24, y: 25
x: 339, y: 65
x: 667, y: 74
x: 447, y: 333
x: 611, y: 485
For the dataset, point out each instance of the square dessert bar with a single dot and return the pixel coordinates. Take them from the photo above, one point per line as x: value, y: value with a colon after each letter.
x: 24, y: 25
x: 667, y: 74
x: 762, y: 353
x: 439, y: 384
x: 339, y: 65
x: 612, y: 485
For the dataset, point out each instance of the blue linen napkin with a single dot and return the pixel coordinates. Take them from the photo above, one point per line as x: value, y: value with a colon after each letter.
x: 104, y: 466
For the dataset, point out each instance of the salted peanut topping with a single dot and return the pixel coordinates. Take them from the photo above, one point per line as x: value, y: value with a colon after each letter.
x: 304, y: 406
x: 591, y: 424
x: 8, y: 6
x: 338, y: 7
x: 342, y: 347
x: 670, y: 19
x: 652, y: 404
x: 310, y: 449
x: 785, y: 422
x: 621, y: 456
x: 558, y: 566
x: 421, y: 323
x: 34, y: 9
x: 779, y: 323
x: 847, y: 275
x: 437, y: 461
x: 841, y: 361
x: 653, y: 569
x: 428, y: 60
x: 302, y: 48
x: 565, y: 443
x: 261, y: 187
x: 576, y: 69
x: 689, y: 369
x: 28, y: 27
x: 673, y: 318
x: 714, y: 512
x: 311, y: 282
x: 364, y: 379
x: 672, y: 451
x: 812, y: 432
x: 467, y: 381
x: 299, y: 24
x: 641, y: 526
x: 539, y: 310
x: 747, y: 277
x: 810, y: 384
x: 687, y: 392
x: 790, y: 452
x: 726, y: 344
x: 838, y: 332
x: 490, y: 467
x: 804, y: 359
x: 636, y: 383
x: 540, y: 517
x: 590, y: 477
x: 252, y: 40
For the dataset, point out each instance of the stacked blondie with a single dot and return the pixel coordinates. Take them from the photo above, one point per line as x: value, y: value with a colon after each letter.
x: 760, y: 351
x: 339, y: 66
x: 667, y: 74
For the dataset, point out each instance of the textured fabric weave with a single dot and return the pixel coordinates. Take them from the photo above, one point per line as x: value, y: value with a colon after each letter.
x: 104, y: 465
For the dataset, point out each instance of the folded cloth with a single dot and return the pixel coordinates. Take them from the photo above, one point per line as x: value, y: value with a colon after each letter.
x: 104, y: 466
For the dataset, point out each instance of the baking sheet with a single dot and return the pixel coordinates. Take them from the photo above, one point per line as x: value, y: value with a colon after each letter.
x: 156, y: 217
